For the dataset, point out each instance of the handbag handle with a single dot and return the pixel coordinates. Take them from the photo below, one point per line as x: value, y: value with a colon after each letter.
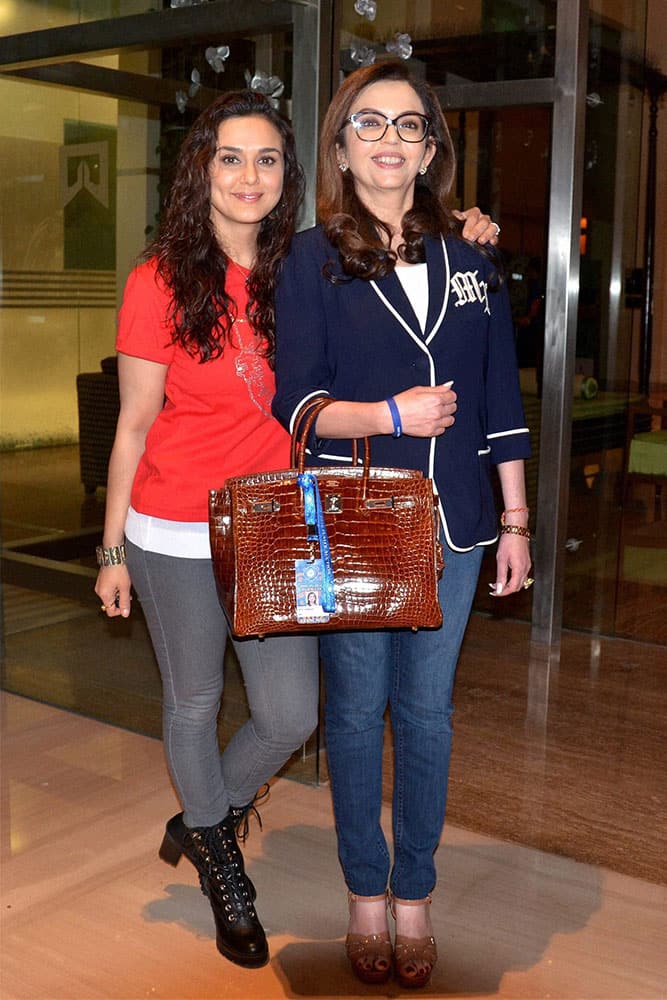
x: 300, y: 438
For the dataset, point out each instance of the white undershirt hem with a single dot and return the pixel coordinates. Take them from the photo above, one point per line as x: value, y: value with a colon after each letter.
x: 183, y: 539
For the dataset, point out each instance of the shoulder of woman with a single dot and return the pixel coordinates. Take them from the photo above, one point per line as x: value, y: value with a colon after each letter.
x: 145, y: 273
x: 311, y: 246
x: 312, y: 237
x: 470, y: 254
x: 145, y: 281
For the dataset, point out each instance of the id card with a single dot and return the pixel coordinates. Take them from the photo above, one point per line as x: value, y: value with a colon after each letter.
x: 308, y: 582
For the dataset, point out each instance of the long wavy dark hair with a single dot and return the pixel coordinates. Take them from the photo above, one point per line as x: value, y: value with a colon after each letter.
x: 361, y: 238
x: 190, y: 260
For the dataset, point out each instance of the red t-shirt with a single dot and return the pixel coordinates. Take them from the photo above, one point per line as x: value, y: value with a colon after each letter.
x: 216, y: 420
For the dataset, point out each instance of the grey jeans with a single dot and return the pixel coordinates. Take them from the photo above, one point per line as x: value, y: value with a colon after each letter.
x: 189, y: 633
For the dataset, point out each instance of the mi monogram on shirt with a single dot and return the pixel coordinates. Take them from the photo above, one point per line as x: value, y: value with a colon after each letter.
x: 468, y: 289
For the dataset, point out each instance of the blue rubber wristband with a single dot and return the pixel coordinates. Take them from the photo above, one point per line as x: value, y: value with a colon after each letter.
x: 395, y: 416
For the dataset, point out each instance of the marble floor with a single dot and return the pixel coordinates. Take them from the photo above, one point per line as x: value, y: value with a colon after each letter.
x: 90, y: 913
x: 564, y: 752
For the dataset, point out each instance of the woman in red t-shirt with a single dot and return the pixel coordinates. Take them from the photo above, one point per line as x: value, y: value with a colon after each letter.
x: 196, y: 344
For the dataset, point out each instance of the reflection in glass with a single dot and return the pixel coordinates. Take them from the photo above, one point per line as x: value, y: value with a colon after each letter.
x: 494, y: 40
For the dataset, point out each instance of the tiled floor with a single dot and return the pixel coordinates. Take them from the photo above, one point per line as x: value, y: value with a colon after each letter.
x: 564, y: 753
x: 90, y: 913
x: 561, y: 754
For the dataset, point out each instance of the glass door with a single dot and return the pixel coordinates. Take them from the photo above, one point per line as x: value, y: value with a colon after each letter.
x: 97, y: 97
x: 504, y: 165
x: 545, y: 102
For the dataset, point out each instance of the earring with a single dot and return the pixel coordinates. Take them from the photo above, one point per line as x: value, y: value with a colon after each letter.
x: 342, y: 167
x: 422, y: 170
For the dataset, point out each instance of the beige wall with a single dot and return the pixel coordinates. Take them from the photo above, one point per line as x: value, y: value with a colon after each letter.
x: 43, y: 346
x: 17, y: 16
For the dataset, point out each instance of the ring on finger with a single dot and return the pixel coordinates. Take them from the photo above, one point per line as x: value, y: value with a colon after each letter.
x: 528, y: 583
x: 497, y: 229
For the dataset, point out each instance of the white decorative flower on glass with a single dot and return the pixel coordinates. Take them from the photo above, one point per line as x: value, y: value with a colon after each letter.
x: 181, y: 100
x: 271, y: 86
x: 195, y: 83
x: 363, y: 55
x: 400, y: 45
x: 215, y: 57
x: 366, y: 8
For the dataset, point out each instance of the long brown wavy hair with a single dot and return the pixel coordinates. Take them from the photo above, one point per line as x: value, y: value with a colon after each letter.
x: 189, y: 258
x: 348, y: 223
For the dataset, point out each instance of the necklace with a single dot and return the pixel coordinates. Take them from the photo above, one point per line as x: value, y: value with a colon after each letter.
x: 243, y: 271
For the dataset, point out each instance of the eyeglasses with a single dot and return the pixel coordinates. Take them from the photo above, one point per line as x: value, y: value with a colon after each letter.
x: 371, y: 126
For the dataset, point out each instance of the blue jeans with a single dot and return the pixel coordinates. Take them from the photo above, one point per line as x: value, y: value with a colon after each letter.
x: 413, y: 673
x: 189, y: 633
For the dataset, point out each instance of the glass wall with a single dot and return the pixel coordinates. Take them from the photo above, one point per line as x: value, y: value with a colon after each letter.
x: 87, y: 143
x: 615, y: 545
x: 472, y: 42
x: 615, y: 568
x: 63, y: 155
x: 84, y: 170
x: 17, y: 16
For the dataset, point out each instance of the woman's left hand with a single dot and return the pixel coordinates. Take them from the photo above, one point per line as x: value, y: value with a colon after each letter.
x: 512, y: 566
x: 478, y: 228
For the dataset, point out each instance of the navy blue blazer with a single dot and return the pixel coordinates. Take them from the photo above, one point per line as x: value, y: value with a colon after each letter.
x: 361, y: 341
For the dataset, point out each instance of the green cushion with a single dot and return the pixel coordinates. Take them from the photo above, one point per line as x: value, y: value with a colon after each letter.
x: 645, y: 565
x: 648, y: 454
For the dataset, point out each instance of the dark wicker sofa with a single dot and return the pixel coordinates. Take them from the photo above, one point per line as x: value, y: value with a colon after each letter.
x: 99, y: 403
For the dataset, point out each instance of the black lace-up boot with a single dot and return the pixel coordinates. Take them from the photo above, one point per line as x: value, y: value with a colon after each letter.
x: 214, y: 852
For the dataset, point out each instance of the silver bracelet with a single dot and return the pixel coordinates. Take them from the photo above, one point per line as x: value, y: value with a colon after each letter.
x: 113, y: 556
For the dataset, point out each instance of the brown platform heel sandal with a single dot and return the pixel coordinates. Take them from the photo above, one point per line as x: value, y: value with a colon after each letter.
x: 369, y: 954
x: 414, y: 958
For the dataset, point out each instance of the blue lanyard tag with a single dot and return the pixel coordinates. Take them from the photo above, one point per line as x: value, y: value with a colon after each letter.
x: 317, y: 532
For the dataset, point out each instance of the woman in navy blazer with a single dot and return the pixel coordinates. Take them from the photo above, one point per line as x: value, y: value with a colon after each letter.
x: 387, y: 309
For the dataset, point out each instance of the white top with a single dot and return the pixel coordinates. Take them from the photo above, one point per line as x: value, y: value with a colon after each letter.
x: 414, y: 279
x: 184, y: 539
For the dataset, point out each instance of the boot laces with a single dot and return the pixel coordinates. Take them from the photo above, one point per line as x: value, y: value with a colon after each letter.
x: 225, y: 872
x: 242, y: 814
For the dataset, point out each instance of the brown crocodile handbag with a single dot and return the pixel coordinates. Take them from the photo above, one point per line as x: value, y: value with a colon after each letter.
x: 326, y: 548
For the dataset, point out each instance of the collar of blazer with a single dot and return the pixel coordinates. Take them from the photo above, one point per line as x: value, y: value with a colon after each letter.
x: 391, y: 293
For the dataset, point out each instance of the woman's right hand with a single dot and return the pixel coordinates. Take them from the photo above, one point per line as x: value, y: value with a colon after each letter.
x: 113, y: 589
x: 426, y: 411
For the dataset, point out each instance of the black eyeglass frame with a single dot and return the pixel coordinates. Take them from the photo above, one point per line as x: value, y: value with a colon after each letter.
x: 352, y: 120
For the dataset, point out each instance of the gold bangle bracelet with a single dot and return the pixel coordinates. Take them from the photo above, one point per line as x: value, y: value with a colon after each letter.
x: 513, y: 510
x: 113, y: 556
x: 515, y: 529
